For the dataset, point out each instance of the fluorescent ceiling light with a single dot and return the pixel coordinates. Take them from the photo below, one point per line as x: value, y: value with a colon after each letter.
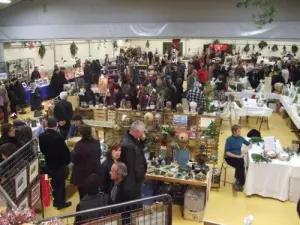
x: 5, y: 1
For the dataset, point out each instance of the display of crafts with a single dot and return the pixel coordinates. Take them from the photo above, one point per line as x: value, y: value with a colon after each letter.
x: 256, y: 140
x: 259, y: 158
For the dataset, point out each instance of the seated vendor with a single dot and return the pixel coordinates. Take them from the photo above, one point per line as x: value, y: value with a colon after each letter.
x: 73, y: 131
x: 235, y: 157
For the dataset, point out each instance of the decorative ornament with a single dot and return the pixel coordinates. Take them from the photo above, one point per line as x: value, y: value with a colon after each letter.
x: 183, y: 137
x: 73, y: 49
x: 42, y: 51
x: 148, y: 117
x: 262, y: 45
x: 115, y: 45
x: 275, y: 48
x: 216, y: 41
x: 147, y: 44
x: 246, y: 48
x: 179, y: 108
x: 202, y: 148
x: 294, y: 49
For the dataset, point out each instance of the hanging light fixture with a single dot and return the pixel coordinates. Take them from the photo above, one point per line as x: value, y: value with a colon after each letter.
x: 5, y: 1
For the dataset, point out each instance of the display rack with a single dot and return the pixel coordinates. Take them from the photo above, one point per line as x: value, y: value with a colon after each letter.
x: 20, y: 69
x: 3, y: 70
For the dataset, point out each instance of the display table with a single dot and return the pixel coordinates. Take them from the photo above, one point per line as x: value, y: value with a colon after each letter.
x: 46, y: 93
x: 251, y: 109
x: 268, y: 179
x: 294, y: 190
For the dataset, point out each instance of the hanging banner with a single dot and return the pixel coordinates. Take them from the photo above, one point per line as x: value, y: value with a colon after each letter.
x: 220, y: 47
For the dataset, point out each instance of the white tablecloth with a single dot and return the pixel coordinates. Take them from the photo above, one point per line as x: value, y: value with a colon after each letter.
x: 294, y: 190
x: 268, y: 179
x: 251, y: 109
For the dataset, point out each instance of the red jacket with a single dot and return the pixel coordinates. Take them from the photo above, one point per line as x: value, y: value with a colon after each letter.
x: 203, y: 75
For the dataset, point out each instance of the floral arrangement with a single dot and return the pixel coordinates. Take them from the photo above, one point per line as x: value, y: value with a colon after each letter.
x: 274, y: 48
x: 42, y: 51
x: 16, y: 217
x: 258, y: 158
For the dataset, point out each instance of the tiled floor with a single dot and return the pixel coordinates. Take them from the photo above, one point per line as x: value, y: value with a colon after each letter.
x: 225, y: 207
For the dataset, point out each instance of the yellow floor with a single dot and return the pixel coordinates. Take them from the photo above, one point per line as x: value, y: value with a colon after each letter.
x: 224, y: 206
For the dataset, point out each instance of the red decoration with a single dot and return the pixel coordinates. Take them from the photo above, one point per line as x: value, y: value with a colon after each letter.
x: 220, y: 47
x: 176, y: 43
x: 46, y: 196
x: 31, y: 44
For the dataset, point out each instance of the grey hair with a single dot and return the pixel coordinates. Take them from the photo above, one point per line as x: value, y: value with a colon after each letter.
x: 121, y: 169
x: 137, y: 125
x: 63, y: 95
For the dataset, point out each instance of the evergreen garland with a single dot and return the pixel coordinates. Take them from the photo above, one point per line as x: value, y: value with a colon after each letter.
x: 246, y: 48
x: 274, y: 48
x: 73, y: 49
x: 262, y: 45
x: 42, y: 51
x: 115, y: 45
x: 294, y: 49
x: 147, y: 44
x: 258, y: 158
x: 216, y: 41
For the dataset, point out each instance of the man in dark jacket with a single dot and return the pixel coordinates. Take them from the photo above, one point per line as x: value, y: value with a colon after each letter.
x: 58, y: 80
x: 133, y: 155
x: 20, y: 93
x: 57, y: 157
x: 63, y: 112
x: 88, y: 73
x: 35, y: 74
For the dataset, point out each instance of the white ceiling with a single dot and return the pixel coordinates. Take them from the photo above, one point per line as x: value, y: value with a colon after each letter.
x: 7, y: 5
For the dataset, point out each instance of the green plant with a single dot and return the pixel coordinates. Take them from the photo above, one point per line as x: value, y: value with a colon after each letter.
x: 256, y: 140
x: 73, y: 49
x: 211, y: 130
x: 262, y: 45
x: 246, y: 48
x: 258, y: 158
x: 42, y: 51
x: 274, y: 48
x: 216, y: 41
x: 232, y: 86
x: 265, y: 13
x: 115, y: 45
x: 147, y: 44
x: 294, y: 49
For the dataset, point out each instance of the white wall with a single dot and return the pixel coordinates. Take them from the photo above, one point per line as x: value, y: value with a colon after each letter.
x: 62, y: 49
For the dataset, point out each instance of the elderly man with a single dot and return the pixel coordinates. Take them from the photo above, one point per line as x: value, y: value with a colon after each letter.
x: 133, y: 155
x: 63, y: 112
x: 122, y: 190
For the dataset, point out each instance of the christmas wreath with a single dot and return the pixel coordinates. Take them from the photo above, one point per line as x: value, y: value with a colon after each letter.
x: 115, y: 45
x: 274, y: 48
x: 262, y: 45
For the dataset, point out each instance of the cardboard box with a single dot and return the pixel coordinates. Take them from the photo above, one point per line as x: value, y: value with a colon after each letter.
x: 193, y: 215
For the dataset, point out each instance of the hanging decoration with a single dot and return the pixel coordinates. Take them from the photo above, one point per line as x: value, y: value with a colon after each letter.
x: 262, y: 45
x: 73, y: 49
x: 115, y: 45
x: 42, y: 51
x: 284, y: 50
x: 294, y: 49
x: 220, y: 47
x: 265, y: 13
x: 246, y: 48
x: 147, y: 44
x: 31, y: 44
x: 176, y: 44
x: 275, y: 48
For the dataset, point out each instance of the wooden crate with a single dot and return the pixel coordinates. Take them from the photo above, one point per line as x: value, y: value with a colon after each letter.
x: 168, y: 118
x: 74, y: 100
x: 100, y: 114
x: 111, y: 115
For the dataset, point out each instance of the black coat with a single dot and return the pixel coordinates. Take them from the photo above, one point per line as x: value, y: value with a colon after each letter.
x: 106, y: 182
x: 63, y: 111
x: 55, y: 150
x: 20, y: 93
x: 126, y: 191
x: 86, y: 160
x: 57, y: 82
x: 118, y: 98
x: 133, y: 157
x: 88, y: 75
x: 35, y: 75
x: 36, y: 101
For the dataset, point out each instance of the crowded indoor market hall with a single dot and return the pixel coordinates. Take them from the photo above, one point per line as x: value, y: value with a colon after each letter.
x: 149, y: 112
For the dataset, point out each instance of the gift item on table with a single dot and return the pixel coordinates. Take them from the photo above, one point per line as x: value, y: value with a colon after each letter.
x: 269, y: 143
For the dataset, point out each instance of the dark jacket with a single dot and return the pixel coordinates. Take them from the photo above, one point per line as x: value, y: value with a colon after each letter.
x: 20, y: 93
x: 73, y: 131
x: 36, y: 101
x: 12, y: 140
x: 58, y: 80
x: 118, y: 98
x: 125, y: 191
x: 86, y: 159
x: 35, y: 75
x: 91, y: 202
x: 88, y: 75
x: 63, y: 111
x: 88, y: 97
x: 106, y: 182
x: 55, y: 150
x: 133, y: 157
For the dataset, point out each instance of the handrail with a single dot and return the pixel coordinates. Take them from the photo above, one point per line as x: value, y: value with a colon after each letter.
x: 157, y: 197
